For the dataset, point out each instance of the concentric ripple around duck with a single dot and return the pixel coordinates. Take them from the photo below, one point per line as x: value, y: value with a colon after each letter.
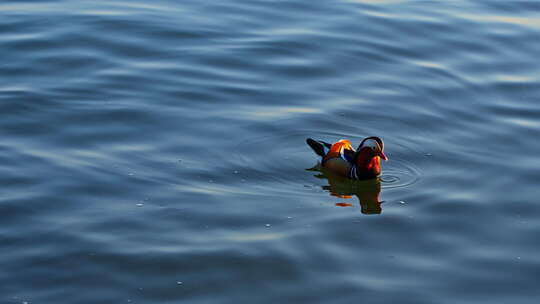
x: 282, y: 159
x: 400, y: 174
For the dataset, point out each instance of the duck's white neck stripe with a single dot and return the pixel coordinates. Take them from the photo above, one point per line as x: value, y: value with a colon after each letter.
x: 353, y: 174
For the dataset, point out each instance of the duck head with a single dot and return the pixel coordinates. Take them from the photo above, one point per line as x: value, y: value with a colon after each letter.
x: 368, y: 157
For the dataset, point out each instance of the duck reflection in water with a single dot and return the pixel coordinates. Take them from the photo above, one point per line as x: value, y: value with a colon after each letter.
x: 367, y: 191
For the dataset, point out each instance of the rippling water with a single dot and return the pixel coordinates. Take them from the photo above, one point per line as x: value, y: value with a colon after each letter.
x: 153, y: 152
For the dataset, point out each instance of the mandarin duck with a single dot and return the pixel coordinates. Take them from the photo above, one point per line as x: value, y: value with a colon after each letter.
x: 342, y: 159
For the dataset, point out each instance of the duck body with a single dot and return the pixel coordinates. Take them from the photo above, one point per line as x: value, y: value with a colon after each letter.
x: 342, y: 159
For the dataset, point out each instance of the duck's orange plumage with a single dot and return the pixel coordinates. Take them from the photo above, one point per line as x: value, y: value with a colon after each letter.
x: 342, y: 159
x: 338, y: 149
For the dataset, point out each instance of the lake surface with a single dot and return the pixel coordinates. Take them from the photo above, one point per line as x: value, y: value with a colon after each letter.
x: 154, y: 151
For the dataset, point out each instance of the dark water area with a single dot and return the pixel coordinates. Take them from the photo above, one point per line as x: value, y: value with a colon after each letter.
x: 153, y: 151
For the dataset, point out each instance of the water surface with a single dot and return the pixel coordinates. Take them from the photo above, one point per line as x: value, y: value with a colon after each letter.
x: 153, y: 152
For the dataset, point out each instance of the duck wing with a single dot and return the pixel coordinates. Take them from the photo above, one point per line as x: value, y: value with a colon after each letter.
x: 320, y: 147
x: 341, y: 149
x: 349, y: 154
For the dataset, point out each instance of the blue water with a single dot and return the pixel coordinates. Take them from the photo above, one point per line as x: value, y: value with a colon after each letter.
x: 153, y: 151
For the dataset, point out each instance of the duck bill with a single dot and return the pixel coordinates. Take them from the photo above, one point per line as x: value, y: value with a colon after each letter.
x: 381, y: 154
